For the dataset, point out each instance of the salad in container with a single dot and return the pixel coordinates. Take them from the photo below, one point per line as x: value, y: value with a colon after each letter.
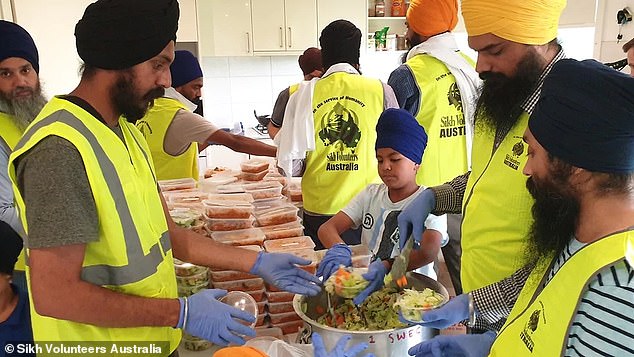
x: 346, y: 282
x: 413, y: 303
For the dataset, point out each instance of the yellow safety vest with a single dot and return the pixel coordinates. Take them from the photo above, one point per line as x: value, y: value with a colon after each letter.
x: 10, y: 134
x: 346, y: 109
x: 133, y: 253
x: 440, y: 113
x: 292, y: 88
x: 496, y: 208
x: 154, y: 127
x: 539, y: 321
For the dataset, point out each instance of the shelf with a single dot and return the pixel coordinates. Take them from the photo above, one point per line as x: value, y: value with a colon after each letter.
x: 386, y: 18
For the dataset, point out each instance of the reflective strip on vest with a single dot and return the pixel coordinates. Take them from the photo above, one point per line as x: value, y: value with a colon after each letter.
x: 540, y: 319
x: 139, y: 266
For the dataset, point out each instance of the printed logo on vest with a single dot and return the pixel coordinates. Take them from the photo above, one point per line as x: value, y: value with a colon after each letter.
x: 143, y: 126
x: 453, y: 125
x: 512, y: 160
x: 530, y: 328
x: 340, y: 128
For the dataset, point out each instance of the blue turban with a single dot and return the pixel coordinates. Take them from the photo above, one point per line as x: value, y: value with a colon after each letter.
x: 398, y: 129
x: 16, y: 42
x: 585, y: 116
x: 185, y: 68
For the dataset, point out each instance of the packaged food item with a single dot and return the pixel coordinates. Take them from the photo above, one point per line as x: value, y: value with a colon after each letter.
x: 346, y: 282
x: 220, y: 170
x: 212, y: 183
x: 274, y: 176
x: 258, y: 295
x: 398, y: 8
x: 361, y: 256
x: 187, y: 269
x: 263, y: 189
x: 261, y: 306
x: 414, y: 304
x: 284, y: 317
x: 274, y: 332
x: 284, y: 230
x: 379, y: 8
x: 290, y: 327
x: 193, y: 280
x: 282, y: 296
x: 254, y: 165
x: 229, y: 275
x: 231, y: 188
x: 227, y: 209
x: 177, y: 184
x: 184, y: 217
x: 272, y: 288
x: 240, y: 285
x: 253, y: 176
x: 250, y: 236
x: 186, y: 290
x: 259, y: 322
x: 269, y: 203
x: 280, y: 307
x: 193, y: 343
x: 286, y: 245
x: 230, y: 197
x: 276, y: 215
x: 226, y: 224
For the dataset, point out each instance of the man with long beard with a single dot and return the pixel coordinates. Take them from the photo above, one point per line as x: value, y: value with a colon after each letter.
x: 577, y: 300
x: 21, y: 100
x: 101, y: 244
x: 517, y: 46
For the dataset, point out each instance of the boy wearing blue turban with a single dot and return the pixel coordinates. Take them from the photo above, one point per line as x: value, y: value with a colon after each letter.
x: 400, y: 144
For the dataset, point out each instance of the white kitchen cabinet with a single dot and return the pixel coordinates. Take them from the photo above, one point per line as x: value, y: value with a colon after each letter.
x: 354, y: 11
x: 284, y: 26
x: 225, y: 27
x: 187, y: 22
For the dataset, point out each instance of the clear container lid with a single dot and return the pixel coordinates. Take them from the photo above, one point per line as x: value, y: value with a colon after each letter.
x: 185, y: 217
x: 177, y: 184
x: 255, y: 165
x: 231, y: 188
x: 185, y: 197
x: 286, y: 245
x: 228, y: 224
x: 249, y: 236
x: 276, y: 215
x: 231, y: 197
x: 242, y: 301
x: 261, y: 185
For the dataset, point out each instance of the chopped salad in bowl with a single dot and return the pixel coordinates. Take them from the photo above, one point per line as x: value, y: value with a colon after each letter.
x: 346, y: 282
x: 413, y: 303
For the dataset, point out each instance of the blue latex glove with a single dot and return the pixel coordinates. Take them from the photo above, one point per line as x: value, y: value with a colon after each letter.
x: 376, y: 273
x: 338, y: 254
x: 280, y: 270
x: 411, y: 221
x: 455, y: 346
x: 338, y: 351
x: 208, y: 318
x: 456, y: 310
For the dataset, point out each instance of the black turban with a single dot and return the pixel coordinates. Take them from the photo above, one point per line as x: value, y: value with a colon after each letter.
x: 10, y: 247
x: 340, y: 43
x: 16, y: 42
x: 118, y: 34
x: 585, y: 116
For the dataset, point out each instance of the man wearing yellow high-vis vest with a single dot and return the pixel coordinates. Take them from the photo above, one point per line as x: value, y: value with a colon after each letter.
x: 101, y: 244
x: 332, y: 127
x: 577, y: 296
x: 176, y: 134
x: 21, y: 100
x: 438, y: 85
x: 517, y: 46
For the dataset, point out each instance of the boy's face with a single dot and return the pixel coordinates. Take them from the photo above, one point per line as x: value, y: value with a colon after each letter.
x: 396, y: 171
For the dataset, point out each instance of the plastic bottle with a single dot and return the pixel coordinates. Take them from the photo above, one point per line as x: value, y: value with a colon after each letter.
x: 379, y: 8
x: 398, y: 8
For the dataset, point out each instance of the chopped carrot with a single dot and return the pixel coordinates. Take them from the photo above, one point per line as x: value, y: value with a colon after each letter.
x: 320, y: 310
x: 401, y: 282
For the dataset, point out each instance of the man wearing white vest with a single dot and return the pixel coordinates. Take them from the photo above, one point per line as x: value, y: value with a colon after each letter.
x: 175, y: 134
x: 517, y: 46
x: 577, y: 300
x: 438, y: 84
x: 101, y: 244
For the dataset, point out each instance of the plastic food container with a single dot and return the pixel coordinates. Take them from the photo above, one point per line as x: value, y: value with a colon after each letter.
x: 263, y: 189
x: 193, y: 280
x: 259, y: 322
x: 185, y: 197
x: 243, y: 302
x: 211, y: 183
x: 276, y: 215
x: 184, y: 217
x: 254, y: 165
x: 187, y: 269
x: 284, y: 317
x: 191, y: 290
x: 269, y: 203
x: 226, y: 224
x: 274, y: 332
x: 227, y: 209
x: 415, y: 314
x: 250, y: 236
x: 229, y: 275
x: 231, y: 188
x: 290, y: 327
x: 258, y: 295
x: 280, y: 307
x: 253, y: 176
x: 193, y: 343
x: 271, y: 176
x: 230, y: 197
x: 271, y: 288
x: 261, y: 307
x: 286, y: 245
x: 284, y: 230
x: 241, y: 285
x: 282, y: 296
x: 349, y: 291
x: 177, y: 184
x: 361, y: 256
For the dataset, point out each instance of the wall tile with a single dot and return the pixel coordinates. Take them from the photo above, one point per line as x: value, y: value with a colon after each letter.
x: 285, y: 65
x: 215, y: 66
x: 249, y: 66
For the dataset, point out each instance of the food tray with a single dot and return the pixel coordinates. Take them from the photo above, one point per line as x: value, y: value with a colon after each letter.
x: 224, y: 189
x: 229, y: 275
x: 254, y: 165
x: 259, y: 322
x: 230, y: 197
x: 271, y: 176
x: 290, y: 327
x: 284, y: 317
x: 272, y: 288
x: 250, y: 236
x: 177, y: 184
x: 280, y: 307
x: 263, y: 189
x: 191, y: 290
x: 241, y: 285
x: 286, y: 245
x: 193, y: 280
x: 187, y: 269
x: 226, y: 224
x: 258, y: 295
x: 253, y: 176
x: 185, y: 197
x: 284, y: 230
x: 274, y: 332
x: 195, y: 344
x: 276, y: 215
x: 261, y: 306
x: 227, y: 209
x: 282, y: 296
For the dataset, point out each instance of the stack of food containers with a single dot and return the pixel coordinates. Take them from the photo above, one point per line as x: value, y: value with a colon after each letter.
x: 191, y: 279
x: 254, y: 169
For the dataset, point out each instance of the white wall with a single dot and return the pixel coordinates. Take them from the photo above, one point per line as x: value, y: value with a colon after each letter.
x: 606, y: 47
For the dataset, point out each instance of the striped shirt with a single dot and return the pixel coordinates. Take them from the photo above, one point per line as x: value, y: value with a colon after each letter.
x: 603, y: 324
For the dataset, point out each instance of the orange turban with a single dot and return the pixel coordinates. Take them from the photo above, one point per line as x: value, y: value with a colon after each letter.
x: 531, y: 22
x: 239, y: 352
x: 432, y: 17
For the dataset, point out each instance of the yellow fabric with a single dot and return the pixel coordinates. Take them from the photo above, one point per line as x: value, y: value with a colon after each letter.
x: 239, y: 352
x: 496, y: 209
x: 440, y: 113
x: 432, y: 17
x: 539, y: 321
x: 531, y: 22
x: 11, y: 134
x: 293, y: 88
x: 346, y: 109
x: 122, y: 242
x: 154, y: 127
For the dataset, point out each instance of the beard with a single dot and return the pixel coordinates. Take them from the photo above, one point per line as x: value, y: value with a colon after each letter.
x: 128, y: 102
x: 555, y: 213
x: 23, y: 110
x: 500, y: 96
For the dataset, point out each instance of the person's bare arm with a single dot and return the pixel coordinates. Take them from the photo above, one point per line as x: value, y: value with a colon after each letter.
x: 329, y: 233
x: 429, y: 247
x: 242, y: 144
x: 58, y: 291
x: 273, y: 130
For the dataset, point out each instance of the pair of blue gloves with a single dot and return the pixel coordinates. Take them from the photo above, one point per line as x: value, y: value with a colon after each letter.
x: 341, y: 254
x: 340, y: 348
x: 204, y: 316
